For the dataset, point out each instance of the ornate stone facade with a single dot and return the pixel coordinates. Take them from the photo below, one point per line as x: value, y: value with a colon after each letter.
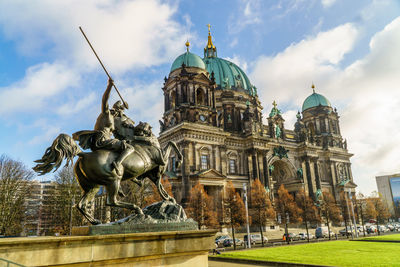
x: 214, y: 115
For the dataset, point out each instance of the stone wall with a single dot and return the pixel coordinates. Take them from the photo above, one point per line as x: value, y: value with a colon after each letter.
x: 175, y: 248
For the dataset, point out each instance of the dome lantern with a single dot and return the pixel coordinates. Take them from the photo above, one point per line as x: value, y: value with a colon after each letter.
x: 210, y: 50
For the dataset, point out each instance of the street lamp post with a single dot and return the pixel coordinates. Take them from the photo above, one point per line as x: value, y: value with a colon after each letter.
x: 352, y: 212
x: 247, y: 215
x: 300, y: 175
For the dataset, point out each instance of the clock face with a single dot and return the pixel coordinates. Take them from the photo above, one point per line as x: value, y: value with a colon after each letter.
x: 202, y: 118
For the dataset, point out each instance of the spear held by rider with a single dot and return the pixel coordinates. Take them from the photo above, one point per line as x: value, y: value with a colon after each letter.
x: 104, y: 68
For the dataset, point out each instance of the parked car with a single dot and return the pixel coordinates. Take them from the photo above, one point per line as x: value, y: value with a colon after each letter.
x: 346, y: 231
x: 323, y: 231
x: 383, y: 229
x: 303, y: 236
x: 371, y: 229
x: 291, y: 236
x: 229, y: 242
x: 220, y: 240
x: 255, y: 239
x: 390, y: 227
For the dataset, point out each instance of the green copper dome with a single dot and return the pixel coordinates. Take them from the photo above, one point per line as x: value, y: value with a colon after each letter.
x: 190, y: 60
x: 315, y: 100
x: 228, y: 75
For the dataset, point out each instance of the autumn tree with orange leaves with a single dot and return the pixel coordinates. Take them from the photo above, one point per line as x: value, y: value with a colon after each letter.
x: 309, y: 210
x: 287, y: 208
x: 234, y: 209
x: 201, y: 207
x: 330, y: 210
x: 260, y: 206
x: 154, y: 196
x: 377, y: 209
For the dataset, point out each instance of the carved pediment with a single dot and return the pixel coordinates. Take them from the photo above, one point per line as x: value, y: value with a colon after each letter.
x: 210, y: 174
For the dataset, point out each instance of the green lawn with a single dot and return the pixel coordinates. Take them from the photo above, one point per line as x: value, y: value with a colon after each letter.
x: 334, y: 253
x: 395, y: 237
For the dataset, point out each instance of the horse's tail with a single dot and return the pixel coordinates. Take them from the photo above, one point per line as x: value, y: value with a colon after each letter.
x: 63, y: 147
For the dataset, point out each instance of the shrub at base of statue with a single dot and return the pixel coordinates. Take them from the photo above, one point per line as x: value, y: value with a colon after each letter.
x: 157, y: 217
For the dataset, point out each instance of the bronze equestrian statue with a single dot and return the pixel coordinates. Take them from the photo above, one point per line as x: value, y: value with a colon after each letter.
x: 135, y: 155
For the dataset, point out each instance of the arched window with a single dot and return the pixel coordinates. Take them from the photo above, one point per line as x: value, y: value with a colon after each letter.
x: 172, y: 99
x: 200, y: 97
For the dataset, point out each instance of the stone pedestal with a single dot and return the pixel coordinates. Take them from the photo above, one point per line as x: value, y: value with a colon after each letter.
x: 173, y: 248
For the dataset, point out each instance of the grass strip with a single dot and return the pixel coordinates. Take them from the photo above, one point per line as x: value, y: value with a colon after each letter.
x: 335, y: 253
x: 395, y: 237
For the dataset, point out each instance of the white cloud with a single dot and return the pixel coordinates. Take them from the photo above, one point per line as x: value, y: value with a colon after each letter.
x: 248, y: 13
x: 366, y: 92
x: 126, y: 34
x: 146, y: 103
x: 74, y: 107
x: 48, y: 132
x: 327, y: 3
x: 40, y: 83
x: 288, y: 75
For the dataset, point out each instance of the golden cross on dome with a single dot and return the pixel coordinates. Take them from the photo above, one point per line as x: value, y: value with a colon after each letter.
x: 274, y: 104
x: 209, y: 27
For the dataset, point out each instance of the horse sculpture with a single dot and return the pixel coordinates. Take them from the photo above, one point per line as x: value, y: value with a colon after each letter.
x: 92, y: 170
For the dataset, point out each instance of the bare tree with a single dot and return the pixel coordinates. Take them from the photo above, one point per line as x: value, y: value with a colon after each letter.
x: 60, y: 206
x: 15, y: 189
x: 201, y: 207
x: 260, y: 206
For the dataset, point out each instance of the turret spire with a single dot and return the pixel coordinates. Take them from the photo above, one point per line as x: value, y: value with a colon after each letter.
x: 313, y: 88
x: 210, y: 50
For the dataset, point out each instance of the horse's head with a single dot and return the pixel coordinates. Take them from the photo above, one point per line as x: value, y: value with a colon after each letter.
x: 143, y: 129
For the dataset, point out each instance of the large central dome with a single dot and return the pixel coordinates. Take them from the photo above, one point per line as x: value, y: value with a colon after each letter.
x: 227, y: 74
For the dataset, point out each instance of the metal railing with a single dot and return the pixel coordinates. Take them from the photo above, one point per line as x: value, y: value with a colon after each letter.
x: 7, y: 263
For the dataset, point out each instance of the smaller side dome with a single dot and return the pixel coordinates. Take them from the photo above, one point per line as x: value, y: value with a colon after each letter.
x: 314, y: 100
x: 190, y: 60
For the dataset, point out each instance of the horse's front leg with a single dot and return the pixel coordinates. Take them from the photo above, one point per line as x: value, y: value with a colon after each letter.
x: 112, y: 192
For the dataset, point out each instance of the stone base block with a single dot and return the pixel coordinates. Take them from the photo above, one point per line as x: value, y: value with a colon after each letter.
x: 173, y: 248
x: 107, y: 229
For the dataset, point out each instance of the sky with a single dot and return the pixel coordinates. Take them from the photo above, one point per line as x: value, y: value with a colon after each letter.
x: 51, y: 83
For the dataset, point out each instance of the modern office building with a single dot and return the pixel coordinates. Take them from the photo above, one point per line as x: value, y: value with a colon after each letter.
x: 389, y: 188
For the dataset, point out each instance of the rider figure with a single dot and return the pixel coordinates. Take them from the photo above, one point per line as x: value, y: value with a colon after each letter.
x: 123, y: 125
x: 104, y: 128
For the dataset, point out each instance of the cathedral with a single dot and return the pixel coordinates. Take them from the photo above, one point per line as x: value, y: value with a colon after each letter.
x: 212, y: 112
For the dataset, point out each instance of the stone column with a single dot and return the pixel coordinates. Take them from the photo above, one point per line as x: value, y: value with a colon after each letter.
x: 249, y: 165
x: 305, y: 177
x: 265, y: 170
x: 193, y: 161
x: 316, y: 174
x: 185, y: 169
x: 217, y: 158
x: 255, y: 164
x: 223, y: 160
x: 309, y: 178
